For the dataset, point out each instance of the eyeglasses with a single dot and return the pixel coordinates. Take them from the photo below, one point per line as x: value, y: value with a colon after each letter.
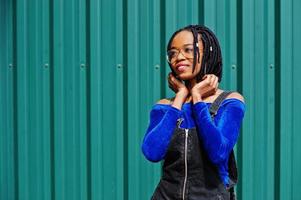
x: 186, y: 51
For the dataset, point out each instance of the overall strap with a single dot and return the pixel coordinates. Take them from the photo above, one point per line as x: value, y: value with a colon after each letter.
x: 232, y: 161
x: 217, y: 102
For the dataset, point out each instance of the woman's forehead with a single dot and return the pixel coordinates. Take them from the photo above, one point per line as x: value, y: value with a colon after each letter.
x: 182, y: 38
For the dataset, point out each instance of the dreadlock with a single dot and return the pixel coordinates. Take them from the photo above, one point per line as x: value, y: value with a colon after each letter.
x: 212, y: 56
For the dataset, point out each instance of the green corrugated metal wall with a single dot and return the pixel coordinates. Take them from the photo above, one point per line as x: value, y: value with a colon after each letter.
x: 78, y: 79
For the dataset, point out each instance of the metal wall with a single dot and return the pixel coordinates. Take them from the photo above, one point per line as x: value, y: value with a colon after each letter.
x: 78, y: 79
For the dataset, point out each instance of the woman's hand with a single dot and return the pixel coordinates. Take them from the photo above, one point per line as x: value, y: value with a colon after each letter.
x: 180, y: 89
x: 207, y: 87
x: 176, y: 85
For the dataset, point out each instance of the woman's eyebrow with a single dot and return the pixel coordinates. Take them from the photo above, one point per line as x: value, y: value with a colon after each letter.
x: 187, y: 44
x: 183, y: 45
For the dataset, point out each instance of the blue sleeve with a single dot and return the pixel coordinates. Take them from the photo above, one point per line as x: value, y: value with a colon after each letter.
x: 159, y: 132
x: 219, y: 139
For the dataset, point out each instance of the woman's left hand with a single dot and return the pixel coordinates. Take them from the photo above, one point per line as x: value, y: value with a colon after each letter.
x: 207, y: 87
x: 177, y: 85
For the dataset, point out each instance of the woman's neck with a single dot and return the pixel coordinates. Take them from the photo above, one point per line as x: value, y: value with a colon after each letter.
x: 190, y: 84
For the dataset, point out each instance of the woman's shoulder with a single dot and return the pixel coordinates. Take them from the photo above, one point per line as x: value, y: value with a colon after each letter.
x: 162, y: 105
x: 165, y: 101
x: 236, y: 96
x: 234, y: 99
x: 233, y: 96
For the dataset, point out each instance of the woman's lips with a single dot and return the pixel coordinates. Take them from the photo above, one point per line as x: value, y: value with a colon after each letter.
x: 182, y: 68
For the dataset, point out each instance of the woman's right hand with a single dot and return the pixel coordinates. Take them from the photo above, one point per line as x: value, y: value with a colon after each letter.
x: 207, y: 87
x: 176, y: 85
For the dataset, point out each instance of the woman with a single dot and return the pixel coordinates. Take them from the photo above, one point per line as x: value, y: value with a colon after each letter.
x: 196, y: 145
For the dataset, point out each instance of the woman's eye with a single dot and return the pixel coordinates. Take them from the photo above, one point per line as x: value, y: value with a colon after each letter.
x: 188, y: 50
x: 171, y: 54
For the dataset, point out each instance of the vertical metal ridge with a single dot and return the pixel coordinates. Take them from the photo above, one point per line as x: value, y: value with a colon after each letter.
x: 3, y: 81
x: 134, y: 100
x: 88, y: 101
x: 61, y: 122
x: 231, y: 65
x: 22, y: 98
x: 51, y: 91
x: 81, y: 72
x: 286, y: 40
x: 126, y: 101
x: 201, y: 12
x: 163, y: 48
x: 119, y: 92
x: 269, y: 62
x: 239, y: 48
x: 15, y: 98
x: 277, y: 104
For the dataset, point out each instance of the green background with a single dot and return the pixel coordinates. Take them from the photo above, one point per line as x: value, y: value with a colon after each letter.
x: 78, y: 79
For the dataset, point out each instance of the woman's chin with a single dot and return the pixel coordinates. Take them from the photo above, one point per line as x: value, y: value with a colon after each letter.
x: 185, y: 76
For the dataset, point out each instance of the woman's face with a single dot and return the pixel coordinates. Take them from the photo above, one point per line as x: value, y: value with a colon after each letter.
x: 180, y: 55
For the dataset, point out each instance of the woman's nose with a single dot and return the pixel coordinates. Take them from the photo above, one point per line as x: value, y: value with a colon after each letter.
x: 180, y: 56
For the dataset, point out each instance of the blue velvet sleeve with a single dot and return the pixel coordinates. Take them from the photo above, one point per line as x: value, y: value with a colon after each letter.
x: 162, y: 123
x: 219, y: 139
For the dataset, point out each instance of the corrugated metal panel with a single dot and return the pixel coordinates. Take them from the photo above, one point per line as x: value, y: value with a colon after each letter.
x: 78, y: 79
x: 8, y: 175
x: 258, y: 80
x: 143, y: 88
x: 290, y: 108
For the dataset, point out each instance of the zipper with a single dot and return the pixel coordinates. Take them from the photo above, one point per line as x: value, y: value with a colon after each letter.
x: 185, y: 157
x: 179, y: 121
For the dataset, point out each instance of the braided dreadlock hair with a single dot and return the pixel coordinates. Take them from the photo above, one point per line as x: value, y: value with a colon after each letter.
x: 212, y: 56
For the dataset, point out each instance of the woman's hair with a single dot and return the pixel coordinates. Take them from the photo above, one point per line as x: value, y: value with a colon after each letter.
x: 212, y: 56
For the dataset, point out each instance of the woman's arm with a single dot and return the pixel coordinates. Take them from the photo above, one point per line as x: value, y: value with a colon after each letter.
x: 158, y: 135
x: 219, y: 139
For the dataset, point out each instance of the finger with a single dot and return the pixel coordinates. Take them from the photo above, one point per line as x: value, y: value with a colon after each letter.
x: 173, y: 79
x: 215, y: 83
x: 212, y: 80
x: 170, y: 77
x: 208, y: 79
x: 170, y: 82
x: 171, y: 87
x: 215, y: 80
x: 177, y: 81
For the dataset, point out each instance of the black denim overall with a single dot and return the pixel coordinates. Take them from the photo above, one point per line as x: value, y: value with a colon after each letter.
x: 188, y: 173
